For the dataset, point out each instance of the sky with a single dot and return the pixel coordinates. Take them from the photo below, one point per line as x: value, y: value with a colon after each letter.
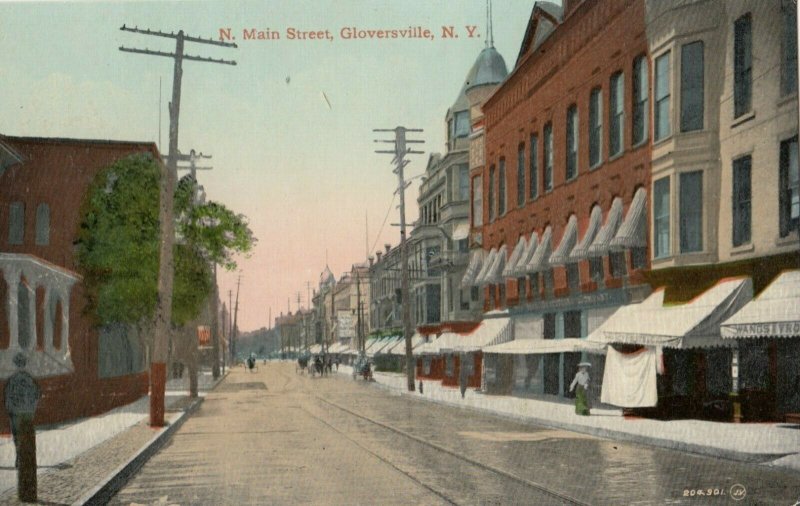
x: 289, y: 127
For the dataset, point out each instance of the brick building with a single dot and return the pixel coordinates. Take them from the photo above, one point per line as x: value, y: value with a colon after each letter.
x: 565, y: 188
x: 83, y: 370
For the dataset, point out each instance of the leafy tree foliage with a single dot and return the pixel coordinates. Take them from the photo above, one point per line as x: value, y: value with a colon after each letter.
x: 118, y: 244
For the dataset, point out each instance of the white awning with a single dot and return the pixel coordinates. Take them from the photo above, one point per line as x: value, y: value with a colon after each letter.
x: 511, y: 265
x: 487, y: 265
x: 774, y: 313
x: 545, y: 346
x: 428, y: 348
x: 540, y: 258
x: 602, y: 241
x: 315, y: 348
x: 380, y: 348
x: 495, y: 273
x: 447, y: 342
x: 491, y: 331
x: 581, y: 251
x: 633, y: 231
x: 694, y: 324
x: 399, y: 348
x: 530, y: 249
x: 461, y: 231
x: 561, y: 255
x: 473, y: 269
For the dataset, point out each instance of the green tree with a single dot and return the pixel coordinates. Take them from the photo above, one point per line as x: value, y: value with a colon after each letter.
x: 118, y: 241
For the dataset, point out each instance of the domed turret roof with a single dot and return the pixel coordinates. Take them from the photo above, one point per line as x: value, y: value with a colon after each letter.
x: 327, y: 277
x: 489, y: 68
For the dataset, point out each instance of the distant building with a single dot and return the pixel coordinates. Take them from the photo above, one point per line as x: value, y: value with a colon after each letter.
x: 83, y: 370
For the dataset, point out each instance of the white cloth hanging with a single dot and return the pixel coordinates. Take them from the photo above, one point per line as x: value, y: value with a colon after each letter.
x: 629, y: 380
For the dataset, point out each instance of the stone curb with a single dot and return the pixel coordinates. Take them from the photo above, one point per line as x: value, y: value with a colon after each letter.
x: 111, y: 484
x: 709, y: 451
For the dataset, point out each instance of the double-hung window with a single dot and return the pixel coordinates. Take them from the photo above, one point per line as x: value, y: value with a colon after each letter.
x: 534, y: 176
x: 742, y: 197
x: 789, y: 195
x: 691, y: 211
x: 661, y: 220
x: 641, y: 95
x: 692, y: 96
x: 616, y: 114
x: 501, y: 188
x: 789, y: 49
x: 662, y: 105
x: 521, y: 175
x: 572, y: 142
x: 595, y: 127
x: 742, y: 65
x: 548, y: 157
x: 492, y: 210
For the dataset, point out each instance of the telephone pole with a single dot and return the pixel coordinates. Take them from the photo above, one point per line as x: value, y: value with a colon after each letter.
x: 235, y: 320
x: 158, y: 366
x: 400, y: 151
x: 230, y: 323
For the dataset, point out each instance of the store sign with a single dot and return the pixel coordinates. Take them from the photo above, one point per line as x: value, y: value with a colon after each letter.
x: 345, y: 325
x: 204, y: 335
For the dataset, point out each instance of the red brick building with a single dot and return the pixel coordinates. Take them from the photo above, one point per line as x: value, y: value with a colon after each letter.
x: 42, y: 184
x: 565, y: 184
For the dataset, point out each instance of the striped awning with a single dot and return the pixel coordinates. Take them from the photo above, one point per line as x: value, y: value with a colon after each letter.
x: 581, y: 251
x: 633, y: 231
x: 546, y: 346
x: 495, y: 273
x: 695, y: 324
x: 602, y: 242
x: 487, y: 264
x: 774, y: 313
x: 473, y: 269
x: 561, y: 255
x: 522, y: 264
x: 511, y: 265
x: 540, y: 259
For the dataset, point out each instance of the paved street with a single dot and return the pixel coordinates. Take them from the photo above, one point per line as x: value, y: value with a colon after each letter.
x: 275, y: 437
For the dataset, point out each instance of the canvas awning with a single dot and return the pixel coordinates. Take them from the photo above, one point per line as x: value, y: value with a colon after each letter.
x: 521, y: 268
x: 473, y: 269
x: 315, y: 348
x: 545, y: 346
x: 561, y: 254
x: 774, y: 313
x: 380, y: 348
x: 510, y: 269
x: 461, y: 231
x: 491, y: 331
x: 633, y: 231
x: 494, y: 274
x: 602, y: 241
x: 694, y: 324
x: 400, y: 347
x: 447, y: 342
x: 487, y: 265
x: 581, y: 251
x: 540, y: 259
x: 428, y: 348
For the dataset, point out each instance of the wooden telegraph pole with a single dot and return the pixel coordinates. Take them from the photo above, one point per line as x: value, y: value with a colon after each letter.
x: 158, y: 367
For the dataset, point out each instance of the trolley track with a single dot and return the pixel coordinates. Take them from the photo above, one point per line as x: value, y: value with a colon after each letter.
x: 560, y: 497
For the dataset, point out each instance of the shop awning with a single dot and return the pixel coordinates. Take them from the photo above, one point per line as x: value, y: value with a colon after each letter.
x: 487, y: 265
x: 491, y: 331
x: 447, y: 342
x: 380, y: 348
x: 694, y: 324
x: 428, y: 348
x: 602, y: 241
x: 473, y: 269
x: 461, y: 232
x: 511, y: 266
x: 494, y: 275
x: 568, y: 239
x: 545, y: 346
x: 540, y: 259
x: 774, y: 313
x: 581, y: 251
x: 633, y: 231
x: 315, y: 348
x: 522, y: 265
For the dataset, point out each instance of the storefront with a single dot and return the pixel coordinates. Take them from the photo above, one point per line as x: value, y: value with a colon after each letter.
x: 680, y: 365
x: 767, y: 336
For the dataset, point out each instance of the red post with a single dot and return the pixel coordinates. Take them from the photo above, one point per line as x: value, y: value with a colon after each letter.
x: 158, y: 385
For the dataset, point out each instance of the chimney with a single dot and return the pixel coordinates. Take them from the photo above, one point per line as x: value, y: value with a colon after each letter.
x: 371, y: 260
x: 378, y: 254
x: 388, y: 247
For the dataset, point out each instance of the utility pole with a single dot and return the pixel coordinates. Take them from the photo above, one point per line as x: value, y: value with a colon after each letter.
x: 400, y: 151
x: 222, y: 329
x: 230, y: 323
x: 235, y: 321
x: 359, y: 336
x: 158, y: 366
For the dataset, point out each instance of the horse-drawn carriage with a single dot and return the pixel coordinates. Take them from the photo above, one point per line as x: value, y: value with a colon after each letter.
x: 302, y: 364
x: 362, y: 367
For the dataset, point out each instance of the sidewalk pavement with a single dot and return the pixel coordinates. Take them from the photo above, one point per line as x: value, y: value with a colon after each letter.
x: 79, y: 460
x: 772, y: 444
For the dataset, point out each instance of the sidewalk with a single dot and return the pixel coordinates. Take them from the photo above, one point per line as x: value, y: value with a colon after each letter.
x: 774, y: 444
x: 78, y: 459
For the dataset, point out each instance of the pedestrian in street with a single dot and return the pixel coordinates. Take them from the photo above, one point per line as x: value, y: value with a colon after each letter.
x: 21, y: 395
x: 462, y: 377
x: 581, y: 382
x: 337, y: 364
